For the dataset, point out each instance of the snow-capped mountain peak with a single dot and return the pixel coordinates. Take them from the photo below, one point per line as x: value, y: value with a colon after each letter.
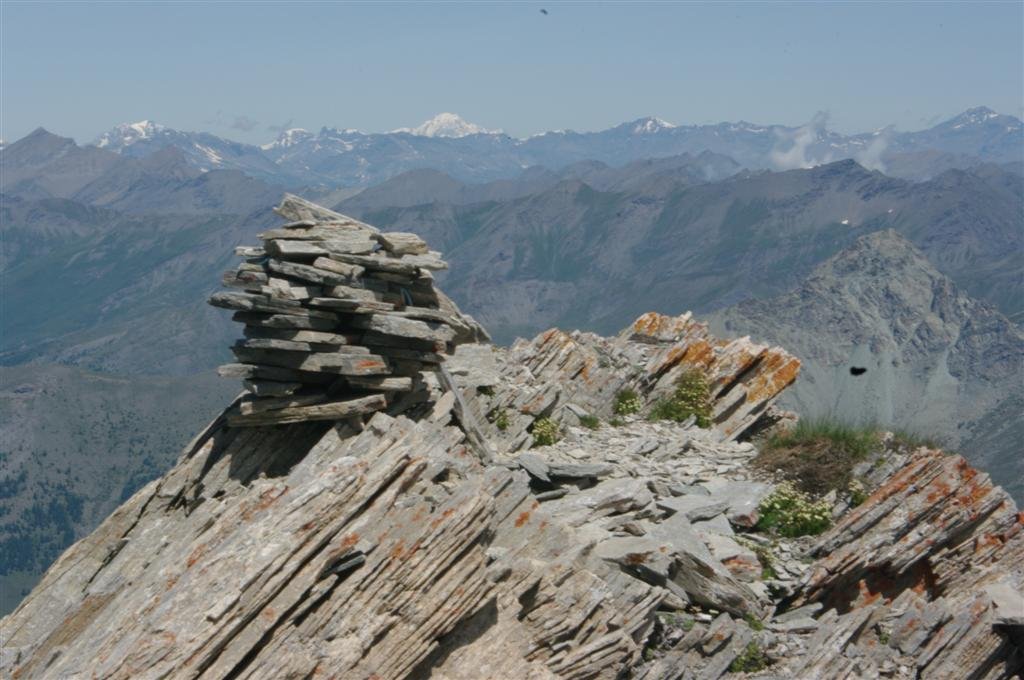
x: 650, y: 125
x: 447, y: 125
x: 976, y: 116
x: 128, y: 133
x: 287, y: 138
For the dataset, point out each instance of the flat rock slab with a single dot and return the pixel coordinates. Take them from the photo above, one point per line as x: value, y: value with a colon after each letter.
x: 534, y: 465
x: 298, y: 335
x: 378, y: 264
x: 252, y: 406
x: 651, y: 559
x: 402, y: 327
x: 330, y: 411
x: 337, y: 363
x: 402, y: 243
x: 259, y: 320
x: 303, y: 213
x: 743, y: 499
x: 273, y: 373
x: 740, y: 561
x: 579, y: 470
x: 382, y: 384
x: 694, y: 507
x: 298, y: 346
x: 307, y: 272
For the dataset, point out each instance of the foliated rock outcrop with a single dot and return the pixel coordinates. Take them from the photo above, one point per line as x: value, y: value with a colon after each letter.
x: 340, y: 320
x: 420, y: 535
x: 566, y: 375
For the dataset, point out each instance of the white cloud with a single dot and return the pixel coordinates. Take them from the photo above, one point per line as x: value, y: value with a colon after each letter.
x: 871, y: 156
x: 791, y: 149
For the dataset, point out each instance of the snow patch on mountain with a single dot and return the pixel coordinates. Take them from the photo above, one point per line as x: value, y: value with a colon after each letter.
x: 650, y: 125
x: 128, y: 133
x: 289, y: 137
x: 447, y: 125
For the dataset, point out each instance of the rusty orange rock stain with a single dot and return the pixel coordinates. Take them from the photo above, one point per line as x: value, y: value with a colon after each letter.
x: 523, y: 518
x: 866, y: 596
x: 267, y: 498
x: 196, y: 554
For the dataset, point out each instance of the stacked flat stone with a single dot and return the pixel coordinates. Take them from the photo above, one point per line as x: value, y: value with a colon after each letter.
x: 340, y: 319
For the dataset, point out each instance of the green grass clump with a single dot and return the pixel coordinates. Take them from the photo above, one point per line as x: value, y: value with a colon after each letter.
x: 905, y: 439
x: 790, y: 512
x: 678, y: 620
x: 858, y: 493
x: 818, y: 455
x: 616, y: 422
x: 627, y: 402
x: 750, y: 660
x: 691, y: 398
x: 590, y: 422
x: 545, y: 432
x: 764, y: 556
x: 754, y: 622
x: 500, y: 419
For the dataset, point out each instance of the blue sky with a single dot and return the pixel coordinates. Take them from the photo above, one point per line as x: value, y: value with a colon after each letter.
x: 242, y: 70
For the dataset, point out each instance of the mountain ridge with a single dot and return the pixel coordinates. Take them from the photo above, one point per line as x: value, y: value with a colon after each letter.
x: 348, y: 157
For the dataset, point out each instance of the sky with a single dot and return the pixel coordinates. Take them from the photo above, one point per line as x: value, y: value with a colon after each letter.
x: 246, y: 70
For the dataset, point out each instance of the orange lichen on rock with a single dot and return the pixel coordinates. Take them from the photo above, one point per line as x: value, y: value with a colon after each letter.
x: 778, y: 370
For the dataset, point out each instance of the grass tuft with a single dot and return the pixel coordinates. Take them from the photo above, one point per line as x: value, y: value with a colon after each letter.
x: 500, y: 419
x: 545, y: 432
x: 590, y: 422
x: 790, y: 512
x: 906, y: 439
x: 692, y: 397
x: 750, y: 660
x: 627, y: 402
x: 818, y: 455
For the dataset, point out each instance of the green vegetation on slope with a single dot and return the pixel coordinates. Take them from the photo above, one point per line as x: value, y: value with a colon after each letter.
x: 818, y: 456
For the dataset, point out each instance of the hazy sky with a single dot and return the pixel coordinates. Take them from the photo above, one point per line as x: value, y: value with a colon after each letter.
x: 243, y: 70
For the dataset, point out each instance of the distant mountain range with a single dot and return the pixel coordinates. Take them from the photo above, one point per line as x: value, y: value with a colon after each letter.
x: 336, y: 157
x: 577, y: 253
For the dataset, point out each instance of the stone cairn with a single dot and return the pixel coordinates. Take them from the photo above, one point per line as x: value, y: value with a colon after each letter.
x: 340, y: 319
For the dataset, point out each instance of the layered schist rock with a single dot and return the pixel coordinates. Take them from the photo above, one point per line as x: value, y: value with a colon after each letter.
x: 340, y: 320
x: 414, y: 538
x: 927, y: 573
x: 565, y: 375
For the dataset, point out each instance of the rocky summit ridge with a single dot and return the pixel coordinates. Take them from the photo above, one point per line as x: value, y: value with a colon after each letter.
x: 431, y: 532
